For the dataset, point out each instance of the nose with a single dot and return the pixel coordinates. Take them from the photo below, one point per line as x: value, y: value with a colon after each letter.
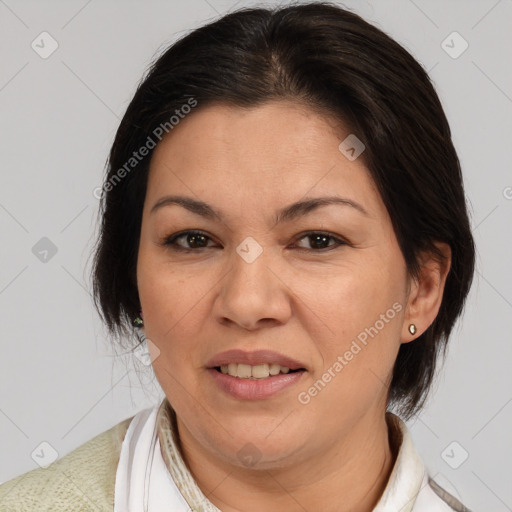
x: 253, y: 294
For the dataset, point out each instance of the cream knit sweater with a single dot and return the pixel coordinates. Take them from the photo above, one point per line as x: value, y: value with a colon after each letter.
x: 81, y: 481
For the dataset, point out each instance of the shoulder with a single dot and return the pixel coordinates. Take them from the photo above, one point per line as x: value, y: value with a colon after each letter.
x: 84, y: 479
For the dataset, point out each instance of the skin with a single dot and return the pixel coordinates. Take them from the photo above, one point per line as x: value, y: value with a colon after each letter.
x: 309, y: 304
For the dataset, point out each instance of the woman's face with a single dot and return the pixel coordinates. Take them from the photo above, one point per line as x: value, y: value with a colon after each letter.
x: 321, y: 289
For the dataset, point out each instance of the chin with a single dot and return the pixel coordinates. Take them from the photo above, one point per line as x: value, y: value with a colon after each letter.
x: 260, y: 449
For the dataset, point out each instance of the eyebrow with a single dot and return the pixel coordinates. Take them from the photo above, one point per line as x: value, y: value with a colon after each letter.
x: 292, y: 211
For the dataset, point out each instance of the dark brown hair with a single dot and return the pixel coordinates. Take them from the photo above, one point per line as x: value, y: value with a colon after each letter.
x: 331, y: 59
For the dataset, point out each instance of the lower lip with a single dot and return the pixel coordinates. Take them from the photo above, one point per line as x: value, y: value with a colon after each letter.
x: 254, y: 389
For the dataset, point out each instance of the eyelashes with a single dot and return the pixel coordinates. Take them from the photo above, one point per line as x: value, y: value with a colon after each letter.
x: 194, y: 236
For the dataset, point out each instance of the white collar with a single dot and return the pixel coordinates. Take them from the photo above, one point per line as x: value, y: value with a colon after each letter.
x: 143, y: 482
x: 408, y: 472
x: 150, y: 479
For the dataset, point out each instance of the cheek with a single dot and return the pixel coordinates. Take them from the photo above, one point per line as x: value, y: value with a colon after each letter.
x: 162, y: 296
x: 175, y: 302
x: 361, y: 307
x: 353, y: 297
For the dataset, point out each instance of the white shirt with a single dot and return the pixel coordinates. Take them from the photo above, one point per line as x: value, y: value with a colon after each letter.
x: 146, y: 482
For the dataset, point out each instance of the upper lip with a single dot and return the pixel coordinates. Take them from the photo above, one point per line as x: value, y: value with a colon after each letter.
x: 254, y: 358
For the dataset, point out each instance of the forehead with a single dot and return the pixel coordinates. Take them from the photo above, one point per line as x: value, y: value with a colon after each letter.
x: 275, y: 152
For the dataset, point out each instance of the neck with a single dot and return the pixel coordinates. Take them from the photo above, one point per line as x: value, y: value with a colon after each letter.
x: 349, y: 476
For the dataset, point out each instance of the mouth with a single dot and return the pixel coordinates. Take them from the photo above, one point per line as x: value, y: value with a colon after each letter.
x: 256, y: 375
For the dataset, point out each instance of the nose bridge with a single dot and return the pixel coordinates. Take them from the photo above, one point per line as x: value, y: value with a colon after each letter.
x: 251, y: 290
x: 250, y: 266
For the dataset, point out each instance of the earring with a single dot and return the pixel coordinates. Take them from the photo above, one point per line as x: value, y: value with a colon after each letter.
x: 412, y: 328
x: 138, y: 322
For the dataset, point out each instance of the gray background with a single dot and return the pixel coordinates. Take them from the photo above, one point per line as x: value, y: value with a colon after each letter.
x: 61, y: 381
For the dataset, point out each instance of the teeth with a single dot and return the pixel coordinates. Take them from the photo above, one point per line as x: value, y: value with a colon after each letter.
x: 246, y: 371
x: 260, y: 371
x: 243, y: 371
x: 274, y: 369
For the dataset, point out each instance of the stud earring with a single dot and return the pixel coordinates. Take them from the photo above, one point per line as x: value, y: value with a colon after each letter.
x: 412, y: 328
x: 138, y: 322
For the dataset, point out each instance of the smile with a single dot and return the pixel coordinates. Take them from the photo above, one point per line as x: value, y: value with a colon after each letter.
x: 247, y: 371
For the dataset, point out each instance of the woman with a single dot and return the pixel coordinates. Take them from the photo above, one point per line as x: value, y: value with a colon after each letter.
x: 284, y: 225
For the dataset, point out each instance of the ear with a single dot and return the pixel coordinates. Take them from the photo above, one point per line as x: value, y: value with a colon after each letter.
x: 426, y: 291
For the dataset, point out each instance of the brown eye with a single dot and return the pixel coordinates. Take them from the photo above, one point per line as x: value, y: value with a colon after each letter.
x: 195, y: 239
x: 319, y: 241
